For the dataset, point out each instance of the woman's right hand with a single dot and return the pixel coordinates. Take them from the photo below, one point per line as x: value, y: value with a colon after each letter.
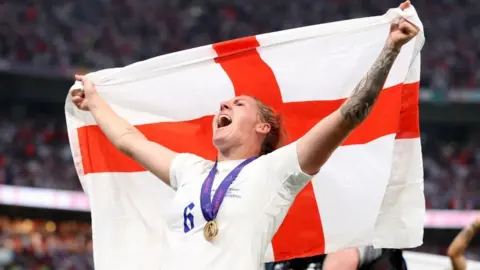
x: 82, y: 97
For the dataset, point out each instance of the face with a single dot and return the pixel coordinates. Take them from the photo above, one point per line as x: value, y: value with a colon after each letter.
x: 238, y: 122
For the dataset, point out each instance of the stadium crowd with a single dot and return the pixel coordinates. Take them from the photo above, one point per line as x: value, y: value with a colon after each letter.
x: 27, y: 244
x: 44, y: 245
x: 60, y: 35
x: 34, y: 151
x: 451, y: 161
x: 64, y: 35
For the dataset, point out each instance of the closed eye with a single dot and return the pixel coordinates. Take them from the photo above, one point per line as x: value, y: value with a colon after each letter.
x: 239, y: 103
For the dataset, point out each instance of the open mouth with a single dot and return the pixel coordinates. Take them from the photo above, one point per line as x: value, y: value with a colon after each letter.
x: 223, y: 121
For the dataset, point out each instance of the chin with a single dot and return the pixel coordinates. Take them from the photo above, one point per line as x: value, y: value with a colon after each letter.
x: 222, y: 140
x: 221, y: 135
x: 219, y: 142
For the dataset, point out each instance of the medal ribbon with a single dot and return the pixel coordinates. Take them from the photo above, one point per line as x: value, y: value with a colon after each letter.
x: 209, y: 206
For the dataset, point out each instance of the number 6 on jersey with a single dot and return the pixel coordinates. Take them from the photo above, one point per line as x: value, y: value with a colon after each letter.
x: 188, y: 223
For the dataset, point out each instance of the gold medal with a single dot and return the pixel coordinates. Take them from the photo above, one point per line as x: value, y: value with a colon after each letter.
x: 210, y: 230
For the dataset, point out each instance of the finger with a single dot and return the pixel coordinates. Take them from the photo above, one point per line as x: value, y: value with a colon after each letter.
x: 404, y: 21
x: 405, y: 5
x: 87, y: 83
x: 78, y: 104
x: 77, y: 92
x: 77, y: 99
x: 82, y: 78
x: 407, y: 30
x: 408, y: 27
x: 413, y: 26
x: 394, y: 27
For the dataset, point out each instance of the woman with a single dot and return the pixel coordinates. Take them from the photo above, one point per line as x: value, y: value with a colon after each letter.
x: 254, y: 182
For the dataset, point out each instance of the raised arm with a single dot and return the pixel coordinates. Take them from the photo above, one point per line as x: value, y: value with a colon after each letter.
x: 124, y: 136
x: 316, y: 146
x: 456, y: 250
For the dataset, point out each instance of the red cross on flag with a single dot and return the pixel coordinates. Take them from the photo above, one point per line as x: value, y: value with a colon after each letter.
x: 369, y: 192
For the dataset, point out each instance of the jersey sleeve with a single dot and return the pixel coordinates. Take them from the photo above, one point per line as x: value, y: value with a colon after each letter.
x: 181, y: 165
x: 286, y: 178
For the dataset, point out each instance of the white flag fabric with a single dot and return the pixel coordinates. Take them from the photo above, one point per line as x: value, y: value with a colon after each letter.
x: 369, y: 192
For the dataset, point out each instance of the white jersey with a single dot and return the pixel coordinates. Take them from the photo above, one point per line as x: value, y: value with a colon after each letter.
x: 252, y: 211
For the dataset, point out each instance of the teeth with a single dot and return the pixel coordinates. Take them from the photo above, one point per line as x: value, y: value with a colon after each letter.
x: 224, y: 120
x: 223, y: 116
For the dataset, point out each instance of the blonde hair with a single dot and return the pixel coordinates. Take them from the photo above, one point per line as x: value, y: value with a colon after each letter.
x: 275, y: 137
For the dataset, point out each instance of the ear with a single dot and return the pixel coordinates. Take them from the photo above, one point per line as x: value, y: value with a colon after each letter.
x: 263, y: 128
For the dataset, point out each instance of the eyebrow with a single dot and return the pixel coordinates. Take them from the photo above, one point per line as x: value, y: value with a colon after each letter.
x: 239, y: 99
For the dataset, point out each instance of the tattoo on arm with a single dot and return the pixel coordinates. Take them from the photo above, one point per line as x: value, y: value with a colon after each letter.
x: 359, y: 105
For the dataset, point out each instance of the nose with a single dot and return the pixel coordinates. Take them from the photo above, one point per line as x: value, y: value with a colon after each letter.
x: 224, y: 106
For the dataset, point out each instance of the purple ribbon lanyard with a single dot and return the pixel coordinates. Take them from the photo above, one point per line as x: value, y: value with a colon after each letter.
x: 209, y: 206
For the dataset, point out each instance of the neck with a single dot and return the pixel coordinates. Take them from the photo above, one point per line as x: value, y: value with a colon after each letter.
x: 236, y: 153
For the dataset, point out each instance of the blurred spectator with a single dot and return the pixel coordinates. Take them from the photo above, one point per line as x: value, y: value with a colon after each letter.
x: 451, y: 161
x: 34, y: 148
x: 97, y: 34
x: 45, y: 245
x: 105, y: 33
x: 34, y: 151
